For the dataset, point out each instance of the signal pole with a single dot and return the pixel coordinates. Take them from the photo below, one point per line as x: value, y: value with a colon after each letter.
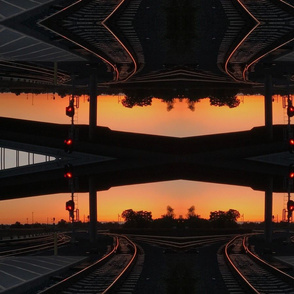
x: 268, y: 104
x: 93, y: 211
x: 268, y: 213
x: 93, y: 105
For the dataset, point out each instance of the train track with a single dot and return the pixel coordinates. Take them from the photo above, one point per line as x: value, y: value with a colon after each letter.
x: 254, y: 274
x: 102, y: 276
x: 180, y: 243
x: 33, y: 245
x: 23, y: 72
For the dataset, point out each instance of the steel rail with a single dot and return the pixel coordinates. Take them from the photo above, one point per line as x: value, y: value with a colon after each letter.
x: 47, y: 75
x: 286, y: 3
x: 62, y: 240
x: 76, y: 43
x: 236, y: 270
x: 31, y: 67
x: 269, y: 51
x: 181, y: 238
x: 58, y: 287
x: 128, y: 266
x: 273, y: 269
x: 289, y: 280
x: 183, y: 245
x: 119, y: 41
x: 240, y: 43
x: 25, y: 240
x: 260, y: 57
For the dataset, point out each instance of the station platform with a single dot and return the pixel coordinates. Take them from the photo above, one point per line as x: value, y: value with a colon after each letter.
x: 19, y: 274
x: 287, y: 260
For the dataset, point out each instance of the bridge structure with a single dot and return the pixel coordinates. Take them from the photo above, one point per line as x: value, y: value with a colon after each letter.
x: 119, y: 44
x: 133, y: 43
x: 117, y: 158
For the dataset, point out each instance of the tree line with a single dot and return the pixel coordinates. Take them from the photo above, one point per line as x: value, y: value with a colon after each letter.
x: 217, y: 219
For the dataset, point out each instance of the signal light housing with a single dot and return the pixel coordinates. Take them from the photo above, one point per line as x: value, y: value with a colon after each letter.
x: 291, y: 171
x: 290, y: 205
x: 70, y: 110
x: 70, y: 205
x: 290, y: 110
x: 68, y: 145
x: 291, y: 145
x: 68, y: 173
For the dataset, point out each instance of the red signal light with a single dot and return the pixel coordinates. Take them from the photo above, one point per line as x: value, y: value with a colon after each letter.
x: 68, y: 175
x: 70, y: 110
x: 291, y: 145
x: 68, y: 145
x: 70, y: 205
x: 291, y: 172
x: 68, y: 171
x: 290, y: 111
x: 290, y: 205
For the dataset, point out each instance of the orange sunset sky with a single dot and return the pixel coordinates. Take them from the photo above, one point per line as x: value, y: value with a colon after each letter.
x: 154, y: 119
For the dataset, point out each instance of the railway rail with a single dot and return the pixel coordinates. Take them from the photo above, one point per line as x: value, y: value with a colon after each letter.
x: 32, y: 245
x: 254, y: 274
x: 180, y: 243
x: 23, y: 72
x: 103, y: 275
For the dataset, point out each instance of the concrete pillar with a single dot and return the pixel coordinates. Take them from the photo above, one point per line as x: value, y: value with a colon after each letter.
x: 55, y: 73
x: 93, y: 106
x: 268, y: 105
x: 93, y: 211
x: 268, y: 213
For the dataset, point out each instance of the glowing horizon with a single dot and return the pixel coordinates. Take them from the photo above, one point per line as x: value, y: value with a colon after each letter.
x: 179, y: 194
x: 155, y: 119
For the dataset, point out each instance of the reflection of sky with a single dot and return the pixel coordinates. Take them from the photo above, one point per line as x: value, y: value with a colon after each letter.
x: 154, y: 197
x: 154, y: 119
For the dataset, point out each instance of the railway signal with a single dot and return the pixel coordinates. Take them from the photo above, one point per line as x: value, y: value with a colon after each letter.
x: 290, y: 111
x: 70, y: 206
x: 68, y: 144
x: 290, y: 205
x: 70, y: 110
x: 291, y: 145
x: 68, y: 172
x: 290, y: 108
x: 291, y: 171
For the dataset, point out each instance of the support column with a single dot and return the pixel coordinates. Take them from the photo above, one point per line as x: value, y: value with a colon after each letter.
x: 268, y: 105
x: 93, y: 210
x: 93, y: 106
x: 268, y: 213
x: 55, y: 73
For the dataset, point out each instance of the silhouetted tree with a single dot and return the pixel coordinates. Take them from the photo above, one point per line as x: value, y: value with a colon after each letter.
x: 167, y: 220
x: 231, y: 101
x: 139, y: 219
x: 62, y: 223
x: 193, y: 219
x: 128, y: 215
x: 169, y: 213
x: 221, y: 219
x: 131, y: 101
x: 191, y: 213
x: 191, y: 105
x: 16, y: 225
